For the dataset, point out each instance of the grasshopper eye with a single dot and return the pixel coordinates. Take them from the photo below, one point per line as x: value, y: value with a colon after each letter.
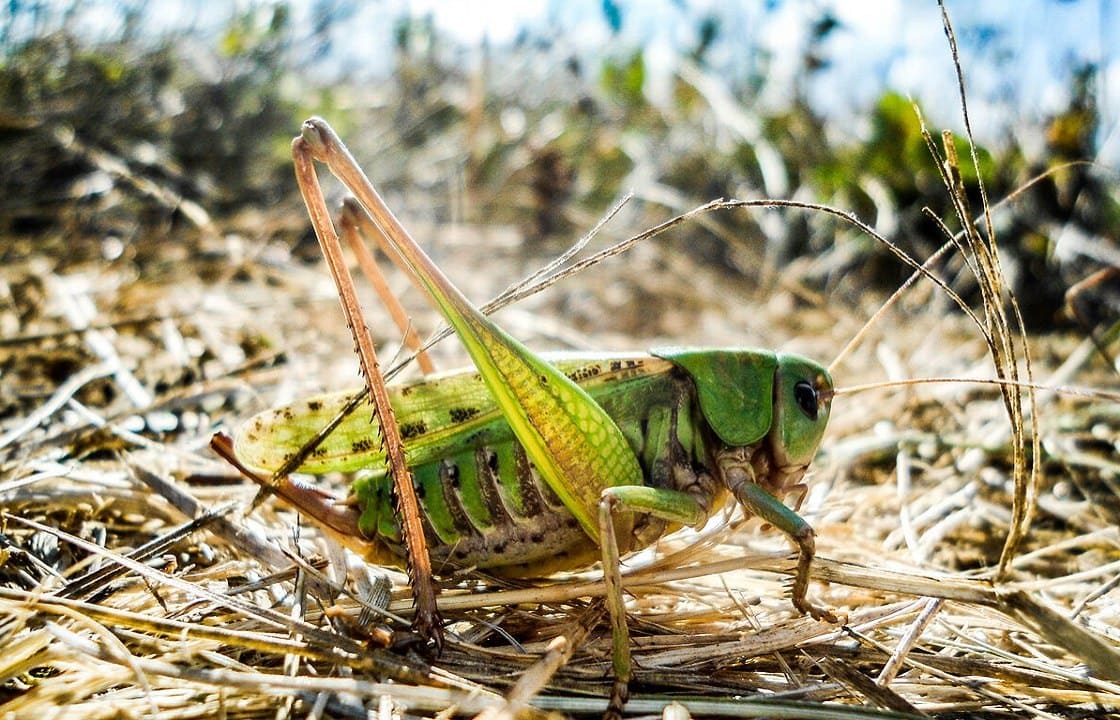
x: 807, y: 399
x: 805, y: 390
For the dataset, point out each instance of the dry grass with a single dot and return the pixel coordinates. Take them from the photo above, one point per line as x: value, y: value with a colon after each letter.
x: 113, y: 605
x: 138, y: 581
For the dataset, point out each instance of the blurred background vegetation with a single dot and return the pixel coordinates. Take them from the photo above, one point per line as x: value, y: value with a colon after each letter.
x: 126, y: 140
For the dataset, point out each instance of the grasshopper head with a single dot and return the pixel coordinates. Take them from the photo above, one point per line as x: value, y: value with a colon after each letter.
x: 802, y: 400
x: 769, y: 410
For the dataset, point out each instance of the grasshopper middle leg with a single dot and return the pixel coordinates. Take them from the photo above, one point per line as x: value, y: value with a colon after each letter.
x: 673, y: 505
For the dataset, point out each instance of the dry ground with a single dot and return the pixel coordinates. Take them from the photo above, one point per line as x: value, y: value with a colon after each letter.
x: 118, y: 370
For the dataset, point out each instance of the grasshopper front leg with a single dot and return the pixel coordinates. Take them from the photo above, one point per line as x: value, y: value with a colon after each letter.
x: 757, y: 501
x: 679, y: 508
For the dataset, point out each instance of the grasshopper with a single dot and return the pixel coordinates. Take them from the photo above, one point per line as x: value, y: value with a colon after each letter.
x: 528, y: 465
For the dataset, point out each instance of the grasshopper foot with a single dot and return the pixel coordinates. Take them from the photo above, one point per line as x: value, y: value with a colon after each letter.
x: 817, y: 613
x: 429, y: 626
x: 620, y: 693
x: 806, y: 545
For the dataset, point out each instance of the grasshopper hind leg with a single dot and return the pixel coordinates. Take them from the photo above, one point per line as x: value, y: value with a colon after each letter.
x: 317, y: 142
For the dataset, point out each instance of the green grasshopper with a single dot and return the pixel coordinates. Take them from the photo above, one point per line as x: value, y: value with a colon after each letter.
x: 529, y: 465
